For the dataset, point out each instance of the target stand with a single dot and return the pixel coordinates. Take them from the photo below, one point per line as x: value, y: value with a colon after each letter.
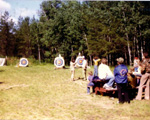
x: 59, y: 62
x: 23, y: 62
x: 79, y: 61
x: 2, y: 61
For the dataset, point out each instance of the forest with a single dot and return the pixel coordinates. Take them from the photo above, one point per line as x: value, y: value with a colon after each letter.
x: 107, y: 29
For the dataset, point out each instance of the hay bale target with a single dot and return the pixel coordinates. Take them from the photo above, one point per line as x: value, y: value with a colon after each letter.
x: 23, y: 62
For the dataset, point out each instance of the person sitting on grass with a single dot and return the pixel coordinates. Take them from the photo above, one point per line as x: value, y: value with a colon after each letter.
x: 90, y: 82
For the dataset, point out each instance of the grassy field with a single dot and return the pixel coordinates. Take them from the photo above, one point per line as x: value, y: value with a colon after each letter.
x: 42, y: 93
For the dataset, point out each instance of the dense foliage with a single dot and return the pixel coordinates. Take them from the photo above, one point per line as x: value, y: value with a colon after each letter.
x: 104, y: 28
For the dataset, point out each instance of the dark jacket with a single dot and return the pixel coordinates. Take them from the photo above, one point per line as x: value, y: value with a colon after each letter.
x: 120, y: 73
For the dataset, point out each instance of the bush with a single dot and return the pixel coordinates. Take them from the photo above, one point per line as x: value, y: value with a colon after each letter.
x: 12, y: 61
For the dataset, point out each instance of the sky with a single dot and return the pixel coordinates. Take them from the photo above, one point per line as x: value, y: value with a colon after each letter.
x: 25, y: 8
x: 22, y: 8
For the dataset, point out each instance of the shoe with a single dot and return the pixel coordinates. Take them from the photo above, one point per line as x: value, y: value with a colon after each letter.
x: 105, y: 86
x: 109, y: 88
x: 118, y: 102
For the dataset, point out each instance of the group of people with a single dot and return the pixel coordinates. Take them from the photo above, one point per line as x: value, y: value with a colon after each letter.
x: 73, y: 64
x: 139, y: 74
x: 140, y: 71
x: 103, y: 72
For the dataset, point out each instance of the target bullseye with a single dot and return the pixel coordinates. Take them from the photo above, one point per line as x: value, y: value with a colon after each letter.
x: 59, y: 62
x: 23, y: 62
x: 79, y: 61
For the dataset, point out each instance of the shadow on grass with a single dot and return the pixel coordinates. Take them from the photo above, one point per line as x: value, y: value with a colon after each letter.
x: 79, y: 79
x: 61, y: 68
x: 1, y: 70
x: 1, y: 82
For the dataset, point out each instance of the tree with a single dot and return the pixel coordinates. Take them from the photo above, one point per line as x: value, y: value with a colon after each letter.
x: 24, y: 46
x: 7, y: 39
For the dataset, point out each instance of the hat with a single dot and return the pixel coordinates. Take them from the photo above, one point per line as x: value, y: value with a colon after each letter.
x: 120, y: 60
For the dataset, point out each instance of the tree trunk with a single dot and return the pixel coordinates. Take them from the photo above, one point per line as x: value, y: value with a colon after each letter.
x: 90, y: 62
x: 39, y: 54
x: 127, y: 37
x: 109, y: 55
x: 125, y: 54
x: 137, y: 44
x: 134, y: 48
x: 129, y: 50
x: 141, y: 56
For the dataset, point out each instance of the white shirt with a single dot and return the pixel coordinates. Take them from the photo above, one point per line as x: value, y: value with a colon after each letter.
x: 104, y: 71
x: 84, y: 66
x: 72, y: 66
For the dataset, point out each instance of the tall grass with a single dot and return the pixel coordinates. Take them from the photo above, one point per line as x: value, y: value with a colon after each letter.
x: 44, y: 93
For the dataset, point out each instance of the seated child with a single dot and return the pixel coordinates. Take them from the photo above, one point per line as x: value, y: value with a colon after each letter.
x: 132, y: 80
x: 90, y: 81
x: 136, y: 63
x: 138, y: 73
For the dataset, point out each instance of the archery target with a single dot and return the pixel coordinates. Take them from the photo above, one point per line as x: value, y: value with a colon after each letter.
x: 79, y: 61
x: 2, y: 61
x: 59, y: 62
x: 23, y: 62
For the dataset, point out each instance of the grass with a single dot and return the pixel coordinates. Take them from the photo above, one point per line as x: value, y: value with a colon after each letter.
x: 48, y: 94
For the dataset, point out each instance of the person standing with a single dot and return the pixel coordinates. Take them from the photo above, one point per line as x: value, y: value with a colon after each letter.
x: 121, y: 79
x: 96, y: 61
x: 105, y: 73
x: 84, y: 67
x: 72, y: 68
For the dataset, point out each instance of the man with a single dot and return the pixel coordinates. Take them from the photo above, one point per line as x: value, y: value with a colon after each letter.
x: 84, y: 67
x: 72, y: 68
x: 106, y: 74
x: 121, y: 79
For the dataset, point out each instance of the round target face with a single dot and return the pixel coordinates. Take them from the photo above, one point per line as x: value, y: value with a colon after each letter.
x: 23, y: 62
x: 80, y: 61
x: 59, y: 62
x: 2, y: 61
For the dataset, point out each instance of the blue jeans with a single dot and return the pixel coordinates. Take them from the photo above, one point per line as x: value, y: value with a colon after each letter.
x: 88, y: 86
x: 111, y: 80
x: 95, y: 70
x: 136, y: 69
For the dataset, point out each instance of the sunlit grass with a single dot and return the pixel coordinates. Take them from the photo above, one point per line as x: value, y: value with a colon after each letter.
x: 45, y: 93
